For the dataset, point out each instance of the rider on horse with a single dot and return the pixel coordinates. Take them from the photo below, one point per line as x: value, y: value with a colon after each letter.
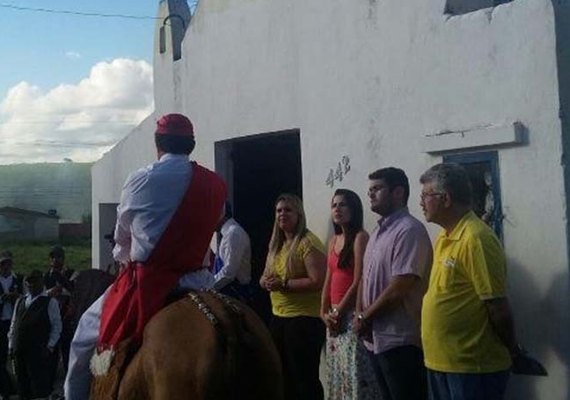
x: 165, y: 220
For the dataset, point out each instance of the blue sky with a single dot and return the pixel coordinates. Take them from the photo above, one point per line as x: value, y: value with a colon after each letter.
x: 35, y: 44
x: 71, y: 86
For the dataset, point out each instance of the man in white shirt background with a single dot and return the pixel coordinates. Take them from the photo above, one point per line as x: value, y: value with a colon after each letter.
x: 232, y: 265
x: 34, y: 333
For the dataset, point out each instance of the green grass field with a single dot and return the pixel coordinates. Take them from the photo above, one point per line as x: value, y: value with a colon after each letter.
x: 35, y: 255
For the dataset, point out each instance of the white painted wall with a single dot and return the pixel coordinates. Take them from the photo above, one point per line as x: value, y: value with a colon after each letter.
x: 174, y: 15
x: 370, y: 80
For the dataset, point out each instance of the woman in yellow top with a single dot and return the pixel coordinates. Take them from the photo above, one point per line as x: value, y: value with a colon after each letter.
x: 294, y: 275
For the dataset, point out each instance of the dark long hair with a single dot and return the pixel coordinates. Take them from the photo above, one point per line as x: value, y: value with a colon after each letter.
x: 354, y: 226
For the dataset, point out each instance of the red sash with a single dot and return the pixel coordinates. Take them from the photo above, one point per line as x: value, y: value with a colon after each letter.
x: 140, y: 290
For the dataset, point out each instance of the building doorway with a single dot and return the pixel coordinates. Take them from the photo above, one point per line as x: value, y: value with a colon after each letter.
x: 257, y: 169
x: 107, y: 221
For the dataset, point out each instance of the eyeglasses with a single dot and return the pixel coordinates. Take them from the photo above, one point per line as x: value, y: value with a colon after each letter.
x: 376, y: 188
x: 423, y: 195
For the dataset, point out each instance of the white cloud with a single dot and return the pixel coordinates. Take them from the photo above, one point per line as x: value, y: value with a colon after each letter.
x: 72, y: 55
x: 80, y: 121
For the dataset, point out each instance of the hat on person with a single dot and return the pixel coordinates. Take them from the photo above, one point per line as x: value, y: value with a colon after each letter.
x: 174, y: 124
x: 57, y: 251
x: 5, y: 256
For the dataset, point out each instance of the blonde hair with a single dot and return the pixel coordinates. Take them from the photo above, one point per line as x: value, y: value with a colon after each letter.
x: 278, y: 236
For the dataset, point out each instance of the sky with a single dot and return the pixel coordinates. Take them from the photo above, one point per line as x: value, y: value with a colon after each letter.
x: 72, y: 86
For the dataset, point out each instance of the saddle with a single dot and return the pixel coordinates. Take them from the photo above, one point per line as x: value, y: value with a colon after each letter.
x: 108, y: 368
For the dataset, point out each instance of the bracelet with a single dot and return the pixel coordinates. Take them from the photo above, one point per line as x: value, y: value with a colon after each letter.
x: 361, y: 317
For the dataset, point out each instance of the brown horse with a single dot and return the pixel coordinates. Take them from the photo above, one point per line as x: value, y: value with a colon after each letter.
x: 204, y: 346
x: 88, y: 285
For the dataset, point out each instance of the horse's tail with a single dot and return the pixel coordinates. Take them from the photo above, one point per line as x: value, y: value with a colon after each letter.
x: 235, y: 342
x: 250, y: 366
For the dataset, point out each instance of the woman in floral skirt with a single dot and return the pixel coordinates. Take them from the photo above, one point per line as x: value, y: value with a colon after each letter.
x: 349, y: 374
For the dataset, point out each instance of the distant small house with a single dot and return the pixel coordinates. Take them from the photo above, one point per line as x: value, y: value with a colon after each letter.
x: 75, y: 230
x: 20, y: 224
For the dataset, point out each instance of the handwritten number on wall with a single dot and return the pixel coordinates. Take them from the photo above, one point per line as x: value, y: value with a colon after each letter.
x: 338, y: 173
x: 346, y: 164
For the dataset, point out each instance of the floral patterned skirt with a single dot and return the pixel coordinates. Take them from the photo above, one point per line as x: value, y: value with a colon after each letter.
x: 349, y: 374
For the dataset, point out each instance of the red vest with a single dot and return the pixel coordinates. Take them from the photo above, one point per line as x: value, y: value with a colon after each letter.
x: 141, y: 289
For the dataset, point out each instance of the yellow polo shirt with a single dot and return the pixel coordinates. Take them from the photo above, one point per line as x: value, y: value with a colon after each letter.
x: 468, y: 267
x: 288, y: 304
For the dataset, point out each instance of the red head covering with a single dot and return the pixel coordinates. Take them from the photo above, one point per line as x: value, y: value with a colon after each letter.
x: 174, y: 124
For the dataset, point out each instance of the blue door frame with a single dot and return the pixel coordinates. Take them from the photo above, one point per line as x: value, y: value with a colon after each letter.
x: 492, y: 159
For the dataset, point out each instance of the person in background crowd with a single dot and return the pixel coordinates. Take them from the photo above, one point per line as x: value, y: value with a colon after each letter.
x: 232, y: 265
x: 396, y: 270
x: 33, y: 336
x: 349, y: 373
x: 59, y: 285
x: 58, y: 278
x: 11, y: 290
x: 467, y: 324
x: 294, y: 275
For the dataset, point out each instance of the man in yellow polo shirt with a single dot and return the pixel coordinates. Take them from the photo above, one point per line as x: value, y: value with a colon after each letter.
x: 467, y: 325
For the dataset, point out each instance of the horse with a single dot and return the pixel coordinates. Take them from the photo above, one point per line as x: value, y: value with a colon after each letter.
x: 205, y: 346
x: 88, y: 286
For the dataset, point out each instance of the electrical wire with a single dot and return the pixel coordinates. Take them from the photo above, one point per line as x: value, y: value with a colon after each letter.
x: 87, y: 121
x: 78, y: 13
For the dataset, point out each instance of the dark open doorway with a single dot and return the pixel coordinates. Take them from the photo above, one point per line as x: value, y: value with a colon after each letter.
x: 107, y: 221
x: 257, y: 169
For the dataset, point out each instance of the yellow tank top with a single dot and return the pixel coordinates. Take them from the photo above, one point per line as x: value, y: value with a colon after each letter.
x: 305, y: 304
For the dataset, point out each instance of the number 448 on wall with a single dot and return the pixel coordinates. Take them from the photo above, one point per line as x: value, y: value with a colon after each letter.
x: 337, y: 174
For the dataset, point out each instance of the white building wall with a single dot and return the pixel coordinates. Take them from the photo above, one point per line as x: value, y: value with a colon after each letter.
x: 174, y: 17
x: 370, y: 80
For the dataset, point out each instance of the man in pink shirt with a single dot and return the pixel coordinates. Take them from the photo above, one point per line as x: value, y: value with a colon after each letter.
x: 395, y: 275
